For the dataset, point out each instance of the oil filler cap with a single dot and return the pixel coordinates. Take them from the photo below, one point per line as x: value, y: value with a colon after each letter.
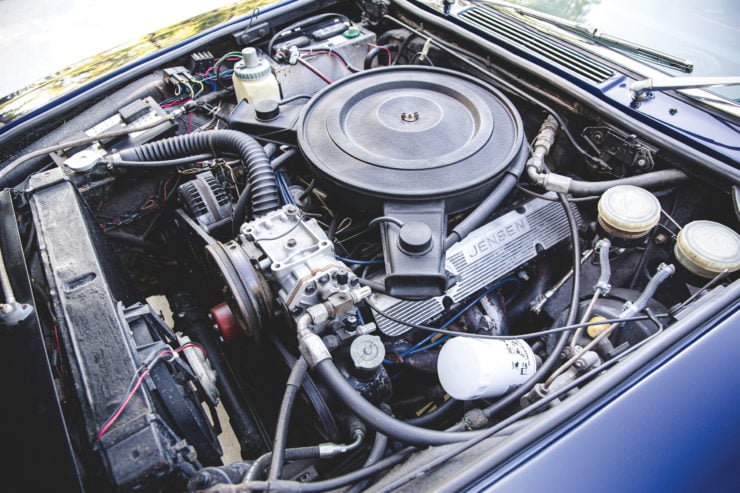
x: 415, y: 238
x: 707, y: 248
x: 626, y: 211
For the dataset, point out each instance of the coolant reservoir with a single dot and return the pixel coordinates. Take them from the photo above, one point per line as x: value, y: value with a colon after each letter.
x: 479, y: 368
x: 253, y: 78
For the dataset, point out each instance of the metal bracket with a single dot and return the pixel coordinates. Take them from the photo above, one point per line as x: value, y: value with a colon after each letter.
x: 625, y: 148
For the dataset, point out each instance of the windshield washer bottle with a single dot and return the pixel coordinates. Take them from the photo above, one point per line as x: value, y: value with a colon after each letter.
x: 253, y: 78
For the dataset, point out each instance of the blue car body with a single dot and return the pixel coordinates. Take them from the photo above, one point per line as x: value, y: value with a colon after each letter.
x: 667, y: 418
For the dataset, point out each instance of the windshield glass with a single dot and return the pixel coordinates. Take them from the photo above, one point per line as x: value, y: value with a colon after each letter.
x: 705, y: 32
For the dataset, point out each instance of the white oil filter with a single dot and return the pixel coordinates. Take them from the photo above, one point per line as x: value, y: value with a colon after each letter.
x: 480, y: 368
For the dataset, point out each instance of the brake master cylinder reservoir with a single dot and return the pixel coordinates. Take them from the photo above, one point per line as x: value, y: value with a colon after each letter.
x: 480, y: 368
x: 627, y: 213
x: 253, y: 78
x: 707, y: 248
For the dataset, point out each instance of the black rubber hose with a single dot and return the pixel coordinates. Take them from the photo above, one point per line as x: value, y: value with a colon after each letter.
x: 260, y: 175
x: 240, y: 209
x: 648, y: 180
x: 376, y: 454
x: 442, y: 411
x: 543, y: 276
x: 327, y: 484
x: 280, y: 161
x: 372, y: 54
x: 259, y: 466
x: 377, y: 419
x: 137, y: 242
x: 554, y: 355
x: 403, y: 47
x: 491, y: 203
x: 295, y: 380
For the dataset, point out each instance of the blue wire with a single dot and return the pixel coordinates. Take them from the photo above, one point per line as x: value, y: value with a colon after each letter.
x: 428, y: 346
x: 284, y: 189
x: 419, y: 345
x: 359, y: 262
x: 359, y: 318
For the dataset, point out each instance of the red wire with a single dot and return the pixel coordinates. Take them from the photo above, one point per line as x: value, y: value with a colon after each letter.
x: 325, y: 52
x: 128, y: 397
x: 175, y: 103
x: 315, y: 71
x: 57, y: 344
x: 123, y: 405
x: 164, y: 188
x: 138, y: 383
x: 384, y: 48
x: 193, y: 345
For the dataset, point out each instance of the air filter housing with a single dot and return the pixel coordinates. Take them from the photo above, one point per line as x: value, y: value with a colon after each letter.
x: 416, y: 143
x: 411, y: 134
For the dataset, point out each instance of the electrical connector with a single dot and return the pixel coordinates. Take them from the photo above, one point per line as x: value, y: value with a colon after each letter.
x: 200, y: 61
x: 180, y: 79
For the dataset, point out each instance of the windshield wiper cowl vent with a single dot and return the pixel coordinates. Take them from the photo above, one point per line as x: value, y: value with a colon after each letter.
x: 493, y: 23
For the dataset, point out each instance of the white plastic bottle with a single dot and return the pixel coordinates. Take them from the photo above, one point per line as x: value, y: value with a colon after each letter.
x: 253, y: 78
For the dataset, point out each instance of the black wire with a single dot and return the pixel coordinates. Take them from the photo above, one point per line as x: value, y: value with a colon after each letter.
x: 442, y: 411
x: 385, y: 219
x: 552, y: 359
x: 572, y: 200
x: 307, y: 192
x: 403, y: 47
x: 530, y: 335
x: 160, y: 164
x: 549, y: 363
x: 294, y: 98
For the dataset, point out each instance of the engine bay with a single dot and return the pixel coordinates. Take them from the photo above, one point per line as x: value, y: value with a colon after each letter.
x: 426, y: 245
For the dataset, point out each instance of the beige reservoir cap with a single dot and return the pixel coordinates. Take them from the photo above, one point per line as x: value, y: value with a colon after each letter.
x: 628, y: 212
x: 707, y: 248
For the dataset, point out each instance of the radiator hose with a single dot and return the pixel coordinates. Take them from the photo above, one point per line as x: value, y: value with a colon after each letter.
x: 260, y: 175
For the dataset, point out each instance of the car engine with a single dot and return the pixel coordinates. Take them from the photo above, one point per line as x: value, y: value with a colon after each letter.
x: 420, y: 242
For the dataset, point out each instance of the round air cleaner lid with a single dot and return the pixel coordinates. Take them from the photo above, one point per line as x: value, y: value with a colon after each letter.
x: 411, y: 134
